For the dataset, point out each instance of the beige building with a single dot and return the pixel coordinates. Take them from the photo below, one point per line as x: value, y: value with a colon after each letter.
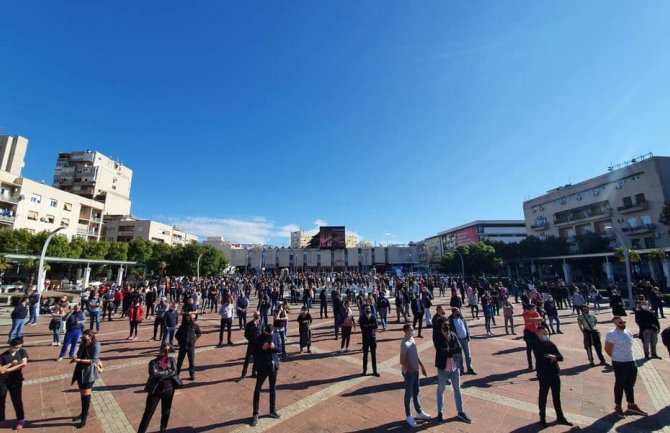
x: 94, y: 175
x: 37, y: 207
x: 126, y: 228
x: 628, y: 198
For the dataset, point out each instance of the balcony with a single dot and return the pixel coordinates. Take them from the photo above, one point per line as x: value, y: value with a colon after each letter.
x: 540, y: 226
x: 7, y: 219
x: 643, y: 205
x: 572, y: 218
x: 13, y: 199
x: 636, y: 230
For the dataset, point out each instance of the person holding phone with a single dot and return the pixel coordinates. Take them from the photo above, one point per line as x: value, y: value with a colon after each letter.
x: 547, y: 358
x: 12, y: 362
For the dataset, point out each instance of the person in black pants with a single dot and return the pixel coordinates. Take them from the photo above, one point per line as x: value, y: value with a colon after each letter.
x: 226, y: 313
x: 266, y: 361
x: 187, y: 334
x: 547, y: 358
x: 12, y: 362
x: 160, y: 387
x: 323, y: 303
x: 417, y: 312
x: 368, y: 324
x: 251, y: 331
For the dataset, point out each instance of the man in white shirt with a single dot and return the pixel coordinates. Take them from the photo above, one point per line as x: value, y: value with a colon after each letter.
x: 619, y: 347
x: 226, y: 313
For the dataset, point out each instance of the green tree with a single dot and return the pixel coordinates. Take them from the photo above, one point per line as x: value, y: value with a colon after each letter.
x: 117, y: 251
x: 77, y: 247
x: 160, y: 253
x: 589, y: 243
x: 16, y: 241
x: 140, y: 251
x: 95, y: 250
x: 633, y: 255
x: 315, y: 242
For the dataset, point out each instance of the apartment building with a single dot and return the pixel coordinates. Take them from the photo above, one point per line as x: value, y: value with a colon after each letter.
x: 628, y: 198
x: 123, y: 228
x: 95, y: 176
x: 12, y: 153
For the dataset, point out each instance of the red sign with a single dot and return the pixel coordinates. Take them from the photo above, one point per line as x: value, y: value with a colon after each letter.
x: 467, y: 236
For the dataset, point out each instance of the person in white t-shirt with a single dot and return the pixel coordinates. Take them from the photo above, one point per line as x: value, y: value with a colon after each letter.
x: 619, y: 347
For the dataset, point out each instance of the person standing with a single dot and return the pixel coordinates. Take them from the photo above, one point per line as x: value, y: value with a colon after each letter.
x: 410, y: 362
x: 446, y: 348
x: 304, y: 328
x: 323, y: 303
x: 242, y: 304
x: 161, y: 309
x: 417, y: 313
x: 251, y: 331
x: 459, y: 326
x: 368, y: 325
x: 74, y: 325
x: 383, y: 306
x: 135, y: 315
x: 86, y: 372
x: 547, y: 358
x: 187, y: 334
x: 348, y: 323
x: 170, y: 320
x: 94, y: 308
x: 552, y: 315
x: 649, y: 328
x: 508, y: 315
x: 34, y: 302
x: 266, y: 362
x: 531, y: 320
x: 619, y: 347
x: 226, y: 313
x: 18, y: 316
x: 12, y: 362
x: 160, y: 387
x: 587, y: 323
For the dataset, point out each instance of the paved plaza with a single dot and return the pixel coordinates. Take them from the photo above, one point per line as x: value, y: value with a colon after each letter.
x: 325, y: 392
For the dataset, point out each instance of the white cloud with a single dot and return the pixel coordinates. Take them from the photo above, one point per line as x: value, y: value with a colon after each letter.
x: 255, y: 230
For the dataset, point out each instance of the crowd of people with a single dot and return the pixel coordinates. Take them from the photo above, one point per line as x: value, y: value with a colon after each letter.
x: 355, y: 301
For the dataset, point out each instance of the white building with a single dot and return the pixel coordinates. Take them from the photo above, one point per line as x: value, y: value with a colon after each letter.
x: 125, y: 228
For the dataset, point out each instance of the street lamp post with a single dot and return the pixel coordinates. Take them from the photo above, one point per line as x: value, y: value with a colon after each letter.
x: 626, y: 256
x: 40, y: 270
x: 198, y: 266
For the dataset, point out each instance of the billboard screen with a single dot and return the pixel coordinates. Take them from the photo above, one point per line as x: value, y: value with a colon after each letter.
x: 467, y: 236
x: 332, y: 237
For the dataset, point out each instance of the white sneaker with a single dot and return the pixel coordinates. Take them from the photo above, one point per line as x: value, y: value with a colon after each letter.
x: 411, y: 422
x: 422, y: 415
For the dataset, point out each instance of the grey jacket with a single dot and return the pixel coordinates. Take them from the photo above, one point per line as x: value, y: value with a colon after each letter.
x: 87, y: 372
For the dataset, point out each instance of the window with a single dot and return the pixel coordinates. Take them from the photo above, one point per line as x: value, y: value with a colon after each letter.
x: 51, y: 219
x: 32, y: 215
x: 65, y: 222
x: 67, y: 206
x: 627, y: 202
x: 649, y: 243
x: 632, y: 223
x: 639, y: 198
x: 635, y: 243
x: 36, y: 198
x: 53, y: 203
x: 646, y: 220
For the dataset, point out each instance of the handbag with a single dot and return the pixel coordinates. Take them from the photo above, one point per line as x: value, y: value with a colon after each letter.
x: 176, y: 382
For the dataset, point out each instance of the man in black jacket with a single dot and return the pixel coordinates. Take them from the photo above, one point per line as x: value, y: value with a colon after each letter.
x: 323, y: 303
x: 368, y: 324
x: 187, y: 334
x: 417, y: 311
x: 251, y: 331
x: 649, y: 329
x: 547, y: 358
x: 267, y: 364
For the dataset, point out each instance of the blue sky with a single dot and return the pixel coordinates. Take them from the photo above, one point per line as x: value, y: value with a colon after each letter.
x: 398, y: 119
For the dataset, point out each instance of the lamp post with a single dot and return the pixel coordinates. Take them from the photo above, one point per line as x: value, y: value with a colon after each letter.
x: 198, y: 266
x: 462, y: 264
x: 626, y: 256
x: 40, y: 270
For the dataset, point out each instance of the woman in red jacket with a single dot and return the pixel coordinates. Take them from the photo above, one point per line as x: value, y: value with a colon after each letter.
x: 135, y: 315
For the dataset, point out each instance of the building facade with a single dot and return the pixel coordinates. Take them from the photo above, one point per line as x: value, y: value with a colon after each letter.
x: 12, y: 153
x: 125, y: 228
x: 623, y: 204
x: 94, y: 175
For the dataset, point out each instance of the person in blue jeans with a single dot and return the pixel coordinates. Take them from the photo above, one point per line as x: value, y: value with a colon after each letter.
x: 18, y: 320
x: 94, y: 309
x: 170, y: 319
x: 34, y: 301
x: 447, y: 347
x: 74, y: 325
x: 409, y: 359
